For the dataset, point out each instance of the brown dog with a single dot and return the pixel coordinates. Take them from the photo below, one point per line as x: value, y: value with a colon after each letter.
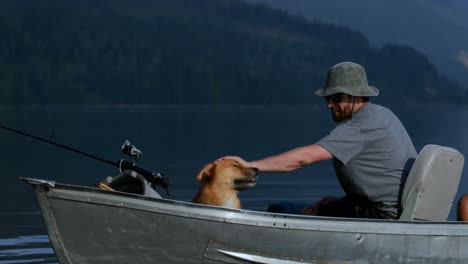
x: 221, y: 181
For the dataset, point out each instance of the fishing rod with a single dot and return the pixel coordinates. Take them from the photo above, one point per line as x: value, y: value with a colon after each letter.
x: 153, y: 178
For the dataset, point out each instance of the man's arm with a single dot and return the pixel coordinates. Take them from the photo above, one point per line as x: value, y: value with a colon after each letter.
x: 289, y: 160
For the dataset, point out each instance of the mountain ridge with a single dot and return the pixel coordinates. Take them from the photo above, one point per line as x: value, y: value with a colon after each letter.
x: 438, y: 29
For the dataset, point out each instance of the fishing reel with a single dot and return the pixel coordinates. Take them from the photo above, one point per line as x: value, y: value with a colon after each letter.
x: 155, y: 179
x: 130, y: 150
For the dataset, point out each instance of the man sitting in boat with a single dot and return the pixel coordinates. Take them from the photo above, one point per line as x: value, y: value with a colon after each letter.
x: 371, y: 150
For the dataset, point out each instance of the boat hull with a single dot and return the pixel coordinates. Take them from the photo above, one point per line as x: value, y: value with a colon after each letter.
x: 89, y: 225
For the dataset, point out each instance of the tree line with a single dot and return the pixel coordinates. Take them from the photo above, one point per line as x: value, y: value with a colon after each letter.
x: 190, y: 52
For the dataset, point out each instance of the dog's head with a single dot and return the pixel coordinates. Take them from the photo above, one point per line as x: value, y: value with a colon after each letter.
x: 229, y: 174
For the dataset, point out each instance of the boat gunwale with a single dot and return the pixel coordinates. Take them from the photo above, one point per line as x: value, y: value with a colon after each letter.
x: 94, y: 195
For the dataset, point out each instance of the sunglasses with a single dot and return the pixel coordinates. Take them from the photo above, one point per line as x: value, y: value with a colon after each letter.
x: 335, y: 98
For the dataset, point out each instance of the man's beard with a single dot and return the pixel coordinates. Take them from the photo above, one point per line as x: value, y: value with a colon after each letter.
x: 338, y: 116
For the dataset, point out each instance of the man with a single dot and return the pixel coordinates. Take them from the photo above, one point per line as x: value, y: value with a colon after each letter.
x: 370, y: 148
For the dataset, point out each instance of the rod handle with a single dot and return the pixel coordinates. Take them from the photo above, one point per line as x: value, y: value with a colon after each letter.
x: 154, y: 178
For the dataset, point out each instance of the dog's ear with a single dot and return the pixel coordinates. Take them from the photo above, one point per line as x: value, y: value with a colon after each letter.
x: 205, y: 172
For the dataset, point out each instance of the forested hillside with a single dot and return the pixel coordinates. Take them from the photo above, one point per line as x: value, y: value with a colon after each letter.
x: 189, y: 52
x: 436, y: 28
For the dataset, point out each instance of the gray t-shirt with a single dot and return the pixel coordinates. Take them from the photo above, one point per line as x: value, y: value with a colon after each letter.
x: 372, y: 156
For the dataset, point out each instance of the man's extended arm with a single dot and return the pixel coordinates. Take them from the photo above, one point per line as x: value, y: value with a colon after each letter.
x: 289, y: 160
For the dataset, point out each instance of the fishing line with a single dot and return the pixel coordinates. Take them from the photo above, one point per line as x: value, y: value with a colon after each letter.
x: 59, y: 145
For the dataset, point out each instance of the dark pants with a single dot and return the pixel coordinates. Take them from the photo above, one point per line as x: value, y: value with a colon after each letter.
x: 339, y: 208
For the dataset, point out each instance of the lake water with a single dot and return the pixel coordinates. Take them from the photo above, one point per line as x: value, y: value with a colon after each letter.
x: 177, y: 141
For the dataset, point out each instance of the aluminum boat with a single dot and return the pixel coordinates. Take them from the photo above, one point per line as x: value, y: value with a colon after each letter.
x: 93, y: 225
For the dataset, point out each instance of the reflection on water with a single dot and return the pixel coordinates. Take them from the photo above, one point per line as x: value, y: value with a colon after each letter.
x: 26, y: 249
x: 23, y: 238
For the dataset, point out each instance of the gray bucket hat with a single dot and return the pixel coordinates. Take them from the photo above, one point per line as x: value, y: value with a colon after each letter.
x: 349, y: 78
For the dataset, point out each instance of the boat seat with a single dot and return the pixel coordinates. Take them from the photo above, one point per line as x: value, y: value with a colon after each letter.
x: 432, y: 184
x: 129, y: 182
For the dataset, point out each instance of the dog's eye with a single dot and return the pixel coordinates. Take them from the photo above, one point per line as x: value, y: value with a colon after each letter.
x: 236, y: 165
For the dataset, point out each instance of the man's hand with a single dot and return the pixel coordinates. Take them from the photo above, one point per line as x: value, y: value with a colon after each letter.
x: 236, y: 158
